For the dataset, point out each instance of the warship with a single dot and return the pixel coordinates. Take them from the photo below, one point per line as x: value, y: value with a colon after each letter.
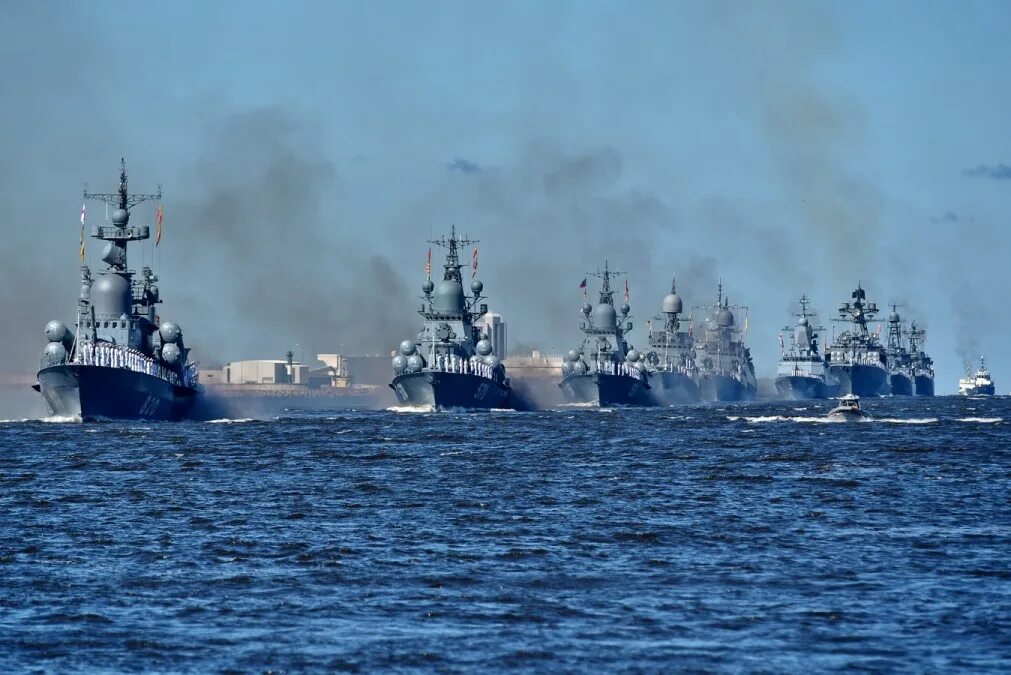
x: 671, y: 358
x: 727, y: 372
x: 900, y: 361
x: 922, y: 365
x: 801, y: 370
x: 451, y: 362
x: 978, y: 384
x: 605, y: 370
x: 120, y: 361
x: 856, y: 360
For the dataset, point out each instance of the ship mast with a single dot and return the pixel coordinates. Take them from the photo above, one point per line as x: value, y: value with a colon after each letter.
x: 119, y: 233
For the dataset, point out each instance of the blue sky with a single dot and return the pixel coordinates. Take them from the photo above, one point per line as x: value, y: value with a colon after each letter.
x: 787, y: 147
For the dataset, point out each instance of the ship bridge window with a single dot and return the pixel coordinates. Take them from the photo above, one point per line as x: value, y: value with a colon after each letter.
x: 106, y: 324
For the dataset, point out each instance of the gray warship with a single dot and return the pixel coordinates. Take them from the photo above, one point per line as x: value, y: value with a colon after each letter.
x: 923, y: 365
x: 671, y: 358
x: 801, y: 370
x: 120, y: 361
x: 726, y: 371
x: 450, y: 364
x: 856, y: 360
x: 900, y: 361
x: 605, y: 370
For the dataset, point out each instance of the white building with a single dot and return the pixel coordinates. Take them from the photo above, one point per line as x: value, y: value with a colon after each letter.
x: 266, y: 371
x: 496, y: 329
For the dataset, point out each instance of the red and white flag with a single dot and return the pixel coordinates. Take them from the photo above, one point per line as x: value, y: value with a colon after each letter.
x: 474, y: 263
x: 626, y: 292
x: 84, y: 210
x: 428, y: 265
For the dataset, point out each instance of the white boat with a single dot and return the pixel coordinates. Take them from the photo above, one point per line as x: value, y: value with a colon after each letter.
x: 848, y: 409
x: 978, y: 384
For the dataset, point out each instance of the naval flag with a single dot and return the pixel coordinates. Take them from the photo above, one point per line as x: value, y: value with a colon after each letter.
x: 84, y: 209
x: 474, y: 264
x: 626, y: 291
x: 428, y: 265
x: 158, y: 221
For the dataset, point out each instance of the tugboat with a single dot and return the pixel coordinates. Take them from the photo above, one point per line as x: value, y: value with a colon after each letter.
x: 671, y: 359
x: 855, y: 359
x: 801, y: 371
x: 848, y: 410
x: 451, y: 362
x: 120, y: 361
x: 605, y: 370
x: 900, y: 361
x: 727, y: 372
x: 923, y: 365
x: 980, y: 384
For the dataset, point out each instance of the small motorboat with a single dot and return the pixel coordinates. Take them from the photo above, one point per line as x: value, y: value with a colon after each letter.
x: 848, y: 409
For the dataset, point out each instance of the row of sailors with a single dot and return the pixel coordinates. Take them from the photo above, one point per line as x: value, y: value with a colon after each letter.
x: 865, y: 358
x: 451, y: 363
x: 108, y: 355
x: 622, y: 368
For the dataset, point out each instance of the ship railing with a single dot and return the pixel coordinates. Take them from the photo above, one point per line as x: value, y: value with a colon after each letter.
x: 676, y: 368
x: 621, y: 368
x: 455, y: 364
x: 108, y: 355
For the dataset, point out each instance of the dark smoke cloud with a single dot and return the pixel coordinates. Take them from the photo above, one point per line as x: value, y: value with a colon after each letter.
x: 463, y: 166
x: 994, y: 172
x: 257, y: 213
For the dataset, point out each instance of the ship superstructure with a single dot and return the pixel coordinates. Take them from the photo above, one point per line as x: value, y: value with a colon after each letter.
x: 120, y: 361
x: 977, y: 384
x: 726, y: 371
x: 900, y: 361
x: 451, y: 362
x: 856, y: 360
x: 604, y: 369
x: 922, y: 365
x: 801, y: 370
x: 671, y: 356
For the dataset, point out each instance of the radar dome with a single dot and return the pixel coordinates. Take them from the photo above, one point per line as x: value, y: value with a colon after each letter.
x: 492, y: 361
x: 54, y: 353
x: 672, y: 304
x: 566, y: 368
x: 449, y: 297
x: 415, y: 363
x: 894, y: 317
x: 399, y: 362
x: 633, y: 355
x: 625, y: 309
x: 604, y: 316
x: 407, y: 347
x: 579, y: 368
x: 476, y: 286
x: 573, y: 355
x: 111, y: 296
x: 427, y: 287
x: 483, y: 347
x: 803, y: 321
x: 56, y: 331
x: 587, y: 308
x: 120, y: 217
x: 724, y: 318
x: 171, y: 354
x: 170, y: 332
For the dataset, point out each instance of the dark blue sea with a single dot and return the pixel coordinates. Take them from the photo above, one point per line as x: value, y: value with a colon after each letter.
x: 709, y: 538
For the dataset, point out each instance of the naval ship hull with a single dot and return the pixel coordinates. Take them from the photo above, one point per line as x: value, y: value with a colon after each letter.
x: 858, y: 379
x: 606, y: 390
x: 923, y: 385
x: 99, y: 392
x: 669, y: 388
x: 901, y: 384
x: 449, y: 390
x: 799, y: 387
x: 724, y: 388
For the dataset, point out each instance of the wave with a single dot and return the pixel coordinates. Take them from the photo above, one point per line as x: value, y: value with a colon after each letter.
x: 411, y: 409
x: 908, y: 420
x: 61, y: 419
x: 982, y: 420
x: 783, y: 418
x: 228, y: 420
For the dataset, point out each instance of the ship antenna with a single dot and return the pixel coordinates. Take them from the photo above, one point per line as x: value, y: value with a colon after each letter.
x: 122, y: 183
x: 673, y: 285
